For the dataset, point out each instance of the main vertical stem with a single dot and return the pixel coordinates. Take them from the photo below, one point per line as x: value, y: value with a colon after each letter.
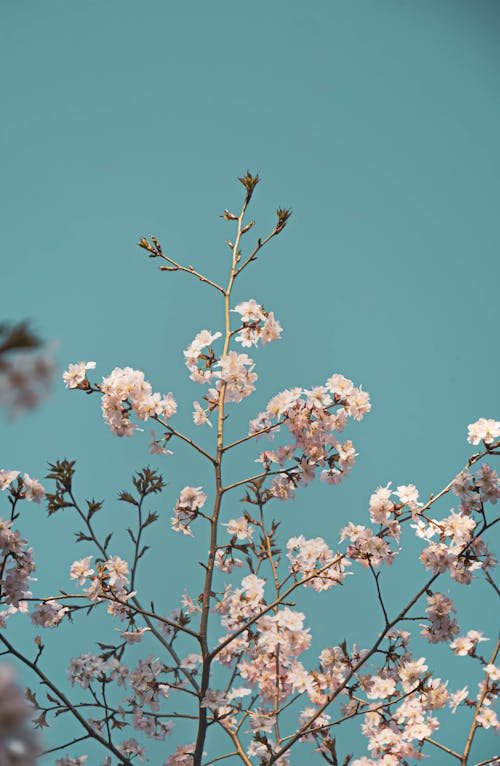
x: 468, y: 745
x: 214, y: 520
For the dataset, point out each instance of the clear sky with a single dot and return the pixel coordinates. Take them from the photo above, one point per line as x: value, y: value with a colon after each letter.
x: 378, y: 124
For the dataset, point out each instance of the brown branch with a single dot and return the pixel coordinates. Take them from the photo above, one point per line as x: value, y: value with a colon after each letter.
x: 207, y: 588
x: 283, y: 472
x: 66, y: 744
x: 183, y: 438
x: 188, y: 269
x: 69, y: 705
x: 260, y: 244
x: 253, y: 435
x: 484, y: 691
x: 442, y: 747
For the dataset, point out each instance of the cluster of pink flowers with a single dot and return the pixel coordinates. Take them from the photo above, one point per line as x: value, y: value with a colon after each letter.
x: 485, y: 430
x: 190, y: 501
x: 233, y: 370
x: 475, y: 490
x: 76, y: 375
x: 124, y: 391
x: 396, y: 734
x: 236, y: 372
x: 198, y: 361
x: 16, y: 565
x: 460, y: 550
x: 48, y: 614
x: 366, y: 547
x: 382, y: 507
x: 30, y: 489
x: 485, y: 699
x: 394, y: 739
x: 464, y: 645
x: 183, y: 756
x: 128, y: 386
x: 239, y: 605
x: 257, y: 324
x: 109, y: 584
x: 267, y: 652
x: 144, y: 682
x: 312, y: 422
x: 315, y: 562
x: 442, y: 625
x: 86, y: 669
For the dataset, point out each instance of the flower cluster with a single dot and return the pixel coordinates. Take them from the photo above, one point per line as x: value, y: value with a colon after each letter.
x: 458, y: 551
x: 394, y: 739
x: 366, y: 547
x: 315, y: 562
x: 189, y: 503
x: 270, y: 650
x: 143, y: 681
x: 484, y: 430
x: 28, y: 489
x: 198, y: 361
x: 475, y: 490
x: 233, y: 370
x: 236, y: 372
x: 382, y: 507
x: 239, y: 528
x: 257, y: 324
x: 312, y: 420
x: 76, y: 375
x: 183, y: 756
x: 124, y: 391
x: 48, y: 614
x: 16, y: 565
x: 464, y: 645
x: 486, y: 697
x: 109, y: 584
x: 442, y: 625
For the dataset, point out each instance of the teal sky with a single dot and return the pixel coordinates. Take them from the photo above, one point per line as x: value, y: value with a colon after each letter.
x: 378, y: 124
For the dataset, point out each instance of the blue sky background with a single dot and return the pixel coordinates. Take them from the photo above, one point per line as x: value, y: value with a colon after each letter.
x: 378, y: 124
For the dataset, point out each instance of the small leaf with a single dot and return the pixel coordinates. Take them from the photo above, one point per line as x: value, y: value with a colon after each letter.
x: 126, y: 497
x: 152, y: 517
x: 41, y: 721
x: 31, y: 697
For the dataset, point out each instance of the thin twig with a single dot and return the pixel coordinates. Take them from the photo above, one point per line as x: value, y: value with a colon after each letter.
x: 188, y: 269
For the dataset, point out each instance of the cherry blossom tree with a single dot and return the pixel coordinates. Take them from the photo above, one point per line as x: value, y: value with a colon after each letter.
x: 234, y: 659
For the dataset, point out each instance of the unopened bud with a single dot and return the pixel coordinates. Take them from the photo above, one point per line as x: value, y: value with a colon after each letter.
x: 229, y: 216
